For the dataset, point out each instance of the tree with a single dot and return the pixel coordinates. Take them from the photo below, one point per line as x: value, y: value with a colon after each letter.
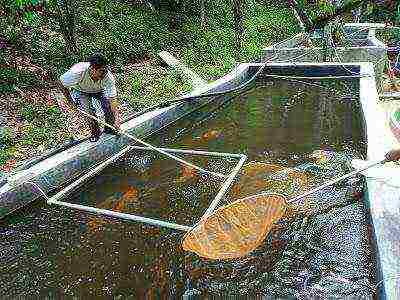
x: 65, y: 15
x: 24, y: 13
x: 239, y: 28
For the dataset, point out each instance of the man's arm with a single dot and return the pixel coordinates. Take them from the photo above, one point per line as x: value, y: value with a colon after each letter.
x: 70, y: 79
x: 110, y: 92
x: 66, y: 94
x: 393, y: 155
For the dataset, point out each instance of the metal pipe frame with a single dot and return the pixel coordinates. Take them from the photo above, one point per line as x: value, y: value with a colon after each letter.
x: 216, y: 174
x: 225, y: 186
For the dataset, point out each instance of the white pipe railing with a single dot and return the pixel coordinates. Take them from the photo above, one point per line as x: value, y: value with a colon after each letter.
x: 152, y: 147
x: 227, y: 184
x: 88, y: 175
x: 189, y: 151
x: 121, y: 215
x: 56, y: 198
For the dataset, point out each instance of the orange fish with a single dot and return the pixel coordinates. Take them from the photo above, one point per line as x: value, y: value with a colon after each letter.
x: 130, y: 195
x: 187, y: 173
x: 210, y: 135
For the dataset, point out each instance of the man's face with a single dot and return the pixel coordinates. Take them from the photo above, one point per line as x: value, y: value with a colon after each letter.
x: 98, y: 72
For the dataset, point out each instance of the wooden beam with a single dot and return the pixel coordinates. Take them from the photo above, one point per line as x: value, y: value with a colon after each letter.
x: 196, y: 80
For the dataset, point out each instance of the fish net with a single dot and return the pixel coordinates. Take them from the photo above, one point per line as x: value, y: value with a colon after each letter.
x: 262, y: 193
x: 238, y: 228
x: 235, y: 230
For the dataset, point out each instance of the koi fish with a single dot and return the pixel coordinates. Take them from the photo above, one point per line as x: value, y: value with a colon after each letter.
x: 187, y: 173
x: 129, y: 196
x: 322, y: 156
x: 209, y: 135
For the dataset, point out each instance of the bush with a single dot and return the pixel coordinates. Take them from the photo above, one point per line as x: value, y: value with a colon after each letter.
x: 35, y: 135
x: 5, y: 155
x: 6, y: 137
x: 29, y: 112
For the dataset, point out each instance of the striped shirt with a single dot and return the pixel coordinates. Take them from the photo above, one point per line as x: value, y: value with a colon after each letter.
x: 78, y: 78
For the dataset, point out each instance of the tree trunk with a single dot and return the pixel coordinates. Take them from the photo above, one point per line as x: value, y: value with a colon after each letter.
x: 66, y: 19
x: 203, y: 15
x: 239, y: 29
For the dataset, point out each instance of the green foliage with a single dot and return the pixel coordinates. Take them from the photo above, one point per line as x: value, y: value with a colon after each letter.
x: 170, y: 84
x: 41, y: 115
x: 136, y: 84
x: 6, y: 137
x: 13, y: 76
x: 5, y: 155
x: 29, y: 112
x: 127, y: 33
x: 36, y: 135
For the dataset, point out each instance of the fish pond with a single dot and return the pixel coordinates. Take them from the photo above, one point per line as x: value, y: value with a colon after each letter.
x: 326, y: 250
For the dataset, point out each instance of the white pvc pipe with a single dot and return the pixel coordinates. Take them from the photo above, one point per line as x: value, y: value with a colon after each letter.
x: 223, y: 154
x: 121, y: 215
x: 225, y: 187
x: 326, y: 184
x: 154, y: 148
x: 88, y: 175
x: 56, y: 198
x: 335, y: 180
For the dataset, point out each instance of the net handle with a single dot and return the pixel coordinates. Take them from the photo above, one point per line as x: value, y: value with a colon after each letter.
x: 335, y: 180
x: 330, y: 182
x: 215, y: 174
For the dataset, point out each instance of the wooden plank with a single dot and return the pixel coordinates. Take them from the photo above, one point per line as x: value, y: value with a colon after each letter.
x: 196, y: 80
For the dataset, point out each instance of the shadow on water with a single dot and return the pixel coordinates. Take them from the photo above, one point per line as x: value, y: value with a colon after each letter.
x: 327, y: 250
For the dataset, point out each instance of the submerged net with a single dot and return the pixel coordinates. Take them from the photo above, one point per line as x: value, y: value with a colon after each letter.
x: 235, y: 230
x: 240, y: 227
x: 258, y: 177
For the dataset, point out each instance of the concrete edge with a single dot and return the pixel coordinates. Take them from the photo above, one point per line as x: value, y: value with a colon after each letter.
x: 382, y: 203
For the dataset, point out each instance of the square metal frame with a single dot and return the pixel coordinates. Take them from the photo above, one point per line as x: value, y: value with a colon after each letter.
x: 57, y: 198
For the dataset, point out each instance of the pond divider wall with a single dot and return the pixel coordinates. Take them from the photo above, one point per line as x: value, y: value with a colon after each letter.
x: 383, y: 199
x: 365, y: 47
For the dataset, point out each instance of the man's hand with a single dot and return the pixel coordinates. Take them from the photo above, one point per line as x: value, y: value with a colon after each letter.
x: 68, y: 99
x: 393, y: 155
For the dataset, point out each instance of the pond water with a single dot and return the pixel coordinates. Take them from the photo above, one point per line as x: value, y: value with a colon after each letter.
x: 51, y: 251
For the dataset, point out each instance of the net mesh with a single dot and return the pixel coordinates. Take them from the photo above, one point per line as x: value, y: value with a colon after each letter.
x: 240, y: 227
x: 236, y: 229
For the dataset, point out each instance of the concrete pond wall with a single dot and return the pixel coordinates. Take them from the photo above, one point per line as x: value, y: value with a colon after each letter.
x: 364, y: 47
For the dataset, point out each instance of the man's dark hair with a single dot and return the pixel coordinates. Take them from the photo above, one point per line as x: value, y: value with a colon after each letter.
x: 98, y: 60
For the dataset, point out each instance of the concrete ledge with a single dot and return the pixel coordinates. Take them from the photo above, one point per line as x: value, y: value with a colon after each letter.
x: 383, y: 195
x: 365, y: 48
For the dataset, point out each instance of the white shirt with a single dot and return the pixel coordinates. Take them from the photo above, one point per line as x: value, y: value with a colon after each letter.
x: 78, y: 77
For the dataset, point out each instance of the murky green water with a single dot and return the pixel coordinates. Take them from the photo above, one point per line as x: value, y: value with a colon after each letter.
x: 54, y: 251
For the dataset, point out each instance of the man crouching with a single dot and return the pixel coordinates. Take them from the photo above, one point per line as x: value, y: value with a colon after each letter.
x: 88, y: 80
